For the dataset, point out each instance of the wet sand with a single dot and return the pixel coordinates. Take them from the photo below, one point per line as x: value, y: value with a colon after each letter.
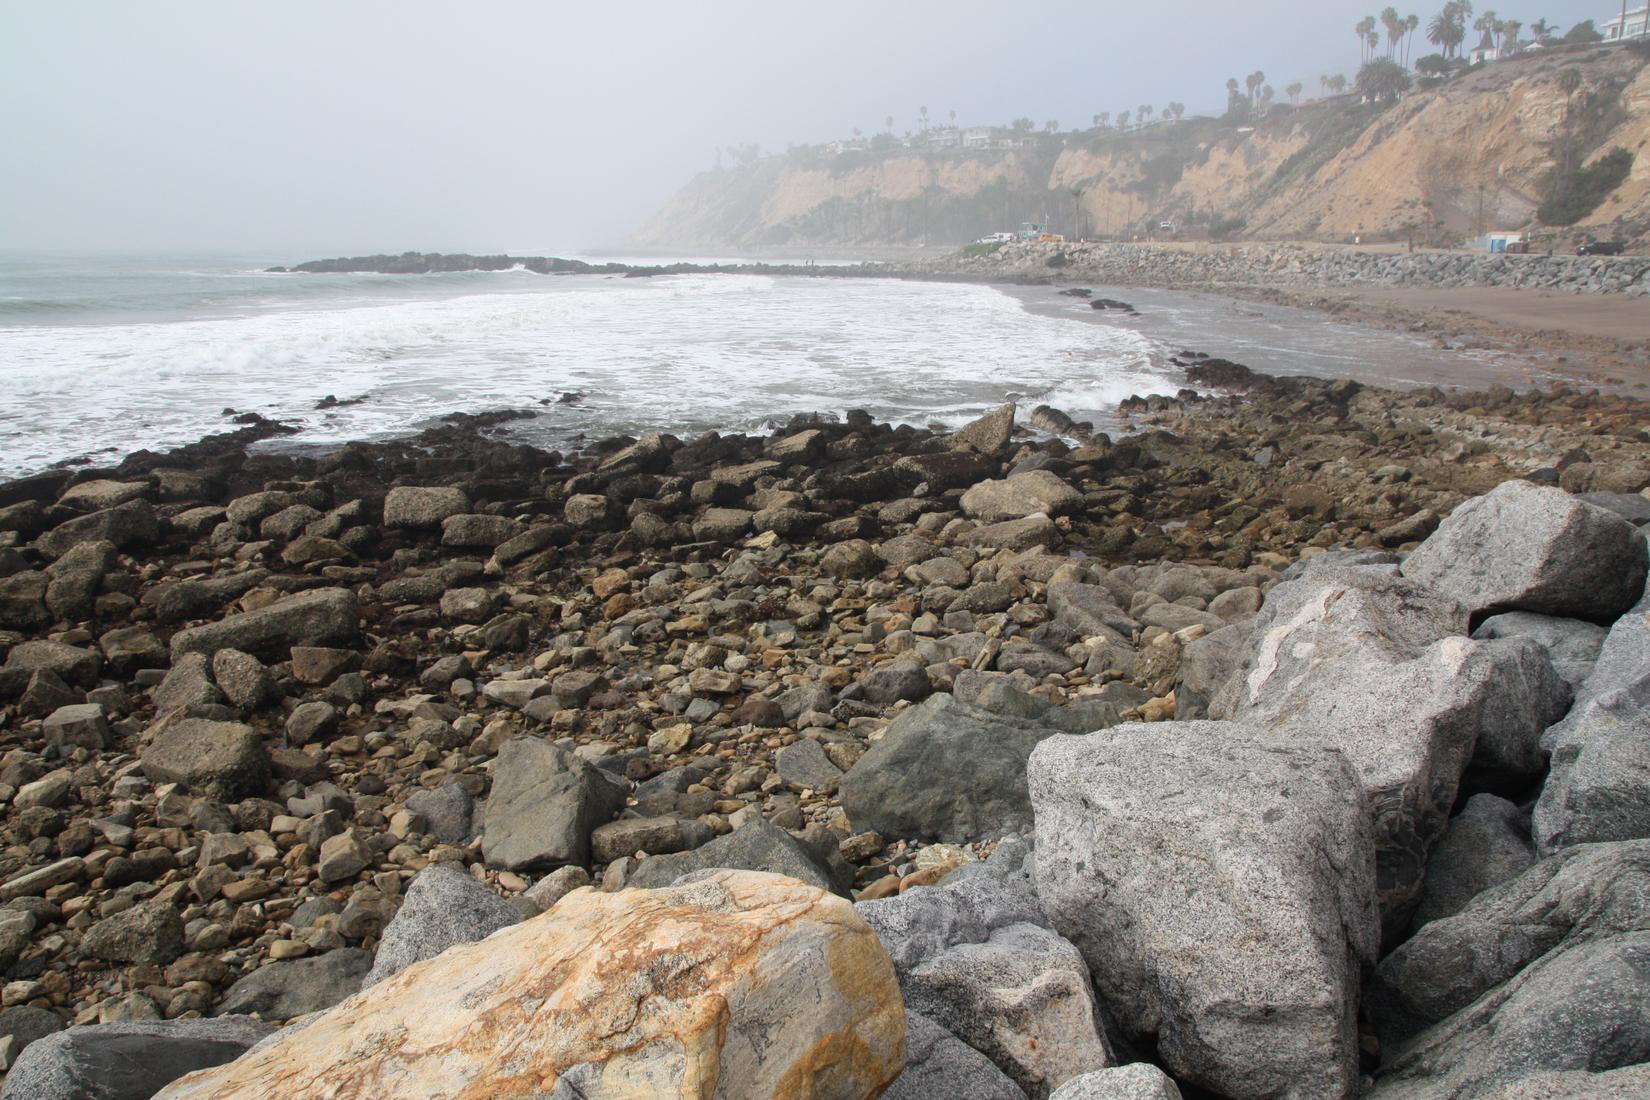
x: 1593, y: 339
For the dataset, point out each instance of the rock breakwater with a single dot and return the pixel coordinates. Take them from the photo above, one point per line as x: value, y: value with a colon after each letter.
x: 1295, y: 267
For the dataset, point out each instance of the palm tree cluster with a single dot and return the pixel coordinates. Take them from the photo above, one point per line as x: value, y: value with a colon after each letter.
x: 1400, y: 29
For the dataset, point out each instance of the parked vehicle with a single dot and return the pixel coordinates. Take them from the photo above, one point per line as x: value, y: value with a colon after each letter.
x: 1601, y: 248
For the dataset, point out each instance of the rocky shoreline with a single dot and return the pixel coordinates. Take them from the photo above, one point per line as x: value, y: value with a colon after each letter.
x: 278, y: 728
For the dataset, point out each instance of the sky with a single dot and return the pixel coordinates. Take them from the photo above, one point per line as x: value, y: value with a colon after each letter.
x: 321, y: 128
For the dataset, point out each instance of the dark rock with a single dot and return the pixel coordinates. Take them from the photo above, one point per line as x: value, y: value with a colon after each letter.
x: 290, y: 988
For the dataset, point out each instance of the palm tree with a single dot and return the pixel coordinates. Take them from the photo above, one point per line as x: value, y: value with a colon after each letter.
x: 1294, y: 92
x: 1052, y: 126
x: 1394, y: 28
x: 1122, y: 120
x: 1177, y: 110
x: 1411, y: 22
x: 923, y: 111
x: 1337, y: 83
x: 1541, y: 29
x: 1509, y: 33
x: 1103, y: 119
x: 1253, y: 82
x: 952, y: 115
x: 1364, y: 28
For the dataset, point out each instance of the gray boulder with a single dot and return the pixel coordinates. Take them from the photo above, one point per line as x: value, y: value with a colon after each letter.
x: 148, y: 933
x: 127, y: 525
x: 1021, y: 495
x: 1627, y: 1083
x: 544, y: 805
x: 1464, y: 980
x: 938, y: 1064
x: 1571, y: 644
x: 989, y: 434
x: 1221, y: 887
x: 976, y: 956
x: 1378, y: 666
x: 755, y: 846
x: 1527, y: 547
x: 1598, y: 785
x: 423, y: 505
x: 319, y: 617
x: 944, y: 771
x: 222, y: 760
x: 128, y: 1061
x: 1527, y: 696
x: 443, y: 906
x: 290, y: 988
x: 1486, y: 844
x: 1135, y: 1081
x: 187, y: 684
x: 448, y: 809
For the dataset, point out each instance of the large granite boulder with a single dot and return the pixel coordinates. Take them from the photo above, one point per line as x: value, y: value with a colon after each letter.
x: 1486, y: 844
x: 1598, y: 785
x: 126, y: 1061
x: 423, y: 505
x: 319, y: 617
x: 443, y: 906
x: 938, y: 1064
x: 944, y: 771
x: 1358, y: 657
x: 1221, y: 887
x: 1457, y: 976
x: 976, y: 956
x: 1135, y: 1081
x: 1571, y: 644
x: 1528, y: 547
x: 737, y: 984
x: 544, y: 805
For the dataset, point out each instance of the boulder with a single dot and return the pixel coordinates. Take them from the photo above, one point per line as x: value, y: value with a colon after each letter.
x: 148, y: 933
x: 75, y: 578
x: 80, y: 725
x: 989, y: 434
x: 291, y: 988
x: 319, y: 617
x: 1627, y: 1083
x: 637, y: 993
x: 443, y: 906
x: 1221, y: 887
x: 758, y: 845
x: 1486, y: 844
x: 423, y: 505
x: 1019, y: 496
x: 1014, y: 534
x: 1135, y: 1081
x: 484, y: 532
x: 1528, y: 547
x: 187, y: 685
x: 1360, y: 658
x: 944, y: 771
x: 448, y: 810
x: 223, y: 760
x: 1461, y: 978
x: 544, y: 805
x: 127, y: 525
x: 938, y: 1064
x: 126, y: 1061
x: 1571, y: 644
x: 976, y: 957
x: 72, y: 664
x: 1598, y: 784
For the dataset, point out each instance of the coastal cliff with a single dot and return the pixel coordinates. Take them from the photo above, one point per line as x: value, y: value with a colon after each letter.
x: 1475, y: 152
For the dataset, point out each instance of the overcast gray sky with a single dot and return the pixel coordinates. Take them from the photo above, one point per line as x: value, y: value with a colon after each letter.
x: 366, y: 125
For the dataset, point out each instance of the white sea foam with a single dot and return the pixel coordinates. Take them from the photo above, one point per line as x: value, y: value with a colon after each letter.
x: 678, y: 353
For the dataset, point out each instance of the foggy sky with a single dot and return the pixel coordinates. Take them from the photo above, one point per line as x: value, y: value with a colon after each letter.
x: 318, y: 128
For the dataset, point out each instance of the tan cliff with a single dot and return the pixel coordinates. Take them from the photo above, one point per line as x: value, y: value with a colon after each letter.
x: 1471, y: 154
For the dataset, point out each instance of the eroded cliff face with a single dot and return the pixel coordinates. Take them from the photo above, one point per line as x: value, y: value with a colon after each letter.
x: 1473, y: 153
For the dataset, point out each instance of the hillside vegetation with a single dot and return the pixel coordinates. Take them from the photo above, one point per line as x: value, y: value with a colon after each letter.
x: 1483, y: 150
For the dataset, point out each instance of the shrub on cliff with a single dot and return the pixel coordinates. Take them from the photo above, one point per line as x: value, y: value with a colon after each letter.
x: 1573, y: 195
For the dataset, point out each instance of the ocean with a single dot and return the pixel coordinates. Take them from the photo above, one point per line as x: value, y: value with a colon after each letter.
x: 101, y: 355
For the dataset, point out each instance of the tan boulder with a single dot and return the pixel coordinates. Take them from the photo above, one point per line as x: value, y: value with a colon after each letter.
x: 739, y: 984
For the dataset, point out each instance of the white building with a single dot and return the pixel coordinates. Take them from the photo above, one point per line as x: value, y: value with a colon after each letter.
x: 978, y: 137
x: 1637, y: 25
